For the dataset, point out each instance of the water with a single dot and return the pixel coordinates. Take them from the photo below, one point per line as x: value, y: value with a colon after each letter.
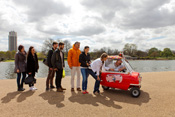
x: 7, y: 68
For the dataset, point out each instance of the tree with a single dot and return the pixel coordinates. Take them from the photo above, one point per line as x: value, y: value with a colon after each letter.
x: 67, y: 46
x: 167, y: 52
x: 130, y: 49
x: 154, y: 52
x: 140, y: 53
x: 47, y: 45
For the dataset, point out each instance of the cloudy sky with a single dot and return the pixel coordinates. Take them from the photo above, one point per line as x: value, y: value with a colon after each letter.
x: 97, y: 23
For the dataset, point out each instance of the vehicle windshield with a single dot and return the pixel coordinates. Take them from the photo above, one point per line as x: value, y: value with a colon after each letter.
x: 129, y: 67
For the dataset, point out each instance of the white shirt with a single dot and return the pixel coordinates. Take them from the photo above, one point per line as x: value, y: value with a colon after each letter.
x: 96, y: 66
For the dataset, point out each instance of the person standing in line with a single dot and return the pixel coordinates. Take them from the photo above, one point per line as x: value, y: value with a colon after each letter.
x: 20, y: 67
x: 85, y: 61
x: 74, y: 64
x: 95, y: 71
x: 51, y: 73
x: 32, y: 65
x: 58, y: 65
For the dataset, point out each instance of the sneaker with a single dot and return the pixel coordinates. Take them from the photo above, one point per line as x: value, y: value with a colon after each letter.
x: 31, y: 89
x: 52, y: 87
x: 78, y: 89
x: 21, y: 89
x: 96, y: 93
x: 47, y: 88
x: 34, y: 88
x: 59, y: 90
x: 87, y: 92
x: 63, y: 88
x: 72, y: 89
x: 84, y: 92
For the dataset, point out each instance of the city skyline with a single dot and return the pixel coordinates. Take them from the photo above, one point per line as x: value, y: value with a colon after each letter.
x: 96, y: 23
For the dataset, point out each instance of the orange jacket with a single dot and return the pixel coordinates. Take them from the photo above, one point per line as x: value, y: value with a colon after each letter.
x: 73, y: 57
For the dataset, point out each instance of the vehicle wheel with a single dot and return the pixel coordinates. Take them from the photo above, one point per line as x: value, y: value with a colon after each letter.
x: 135, y: 92
x: 105, y: 88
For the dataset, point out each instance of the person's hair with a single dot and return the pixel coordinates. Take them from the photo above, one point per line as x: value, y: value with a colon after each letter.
x: 20, y: 47
x: 61, y: 43
x: 104, y: 55
x: 76, y: 42
x: 30, y: 49
x: 54, y: 43
x: 86, y: 47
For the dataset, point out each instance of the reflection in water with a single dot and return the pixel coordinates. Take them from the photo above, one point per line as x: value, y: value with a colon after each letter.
x: 7, y: 68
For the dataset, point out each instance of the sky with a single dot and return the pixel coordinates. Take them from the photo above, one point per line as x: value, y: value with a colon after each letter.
x: 96, y: 23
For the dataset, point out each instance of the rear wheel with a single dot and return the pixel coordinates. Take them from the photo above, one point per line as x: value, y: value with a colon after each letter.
x: 135, y: 92
x: 105, y: 88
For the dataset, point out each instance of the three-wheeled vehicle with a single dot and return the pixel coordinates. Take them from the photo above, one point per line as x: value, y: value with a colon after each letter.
x: 126, y: 79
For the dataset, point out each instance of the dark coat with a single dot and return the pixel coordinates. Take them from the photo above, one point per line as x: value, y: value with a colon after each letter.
x: 57, y: 61
x: 20, y: 62
x: 49, y: 57
x: 32, y: 63
x: 84, y: 59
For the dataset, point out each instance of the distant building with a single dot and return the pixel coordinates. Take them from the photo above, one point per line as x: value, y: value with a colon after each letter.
x: 12, y: 41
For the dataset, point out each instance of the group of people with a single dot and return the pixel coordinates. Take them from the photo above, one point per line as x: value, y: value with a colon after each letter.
x: 79, y: 63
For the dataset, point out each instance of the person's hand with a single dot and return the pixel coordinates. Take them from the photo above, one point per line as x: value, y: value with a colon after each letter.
x: 87, y: 64
x: 30, y: 73
x: 98, y: 78
x: 51, y: 68
x: 56, y: 69
x: 111, y: 69
x: 17, y: 70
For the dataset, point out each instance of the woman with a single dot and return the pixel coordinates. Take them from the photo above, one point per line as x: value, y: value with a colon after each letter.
x: 85, y: 61
x: 32, y: 65
x: 20, y: 67
x: 96, y: 67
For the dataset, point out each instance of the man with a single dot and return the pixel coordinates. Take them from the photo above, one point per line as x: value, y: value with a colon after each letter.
x: 58, y: 65
x: 51, y: 73
x: 74, y: 65
x: 118, y: 66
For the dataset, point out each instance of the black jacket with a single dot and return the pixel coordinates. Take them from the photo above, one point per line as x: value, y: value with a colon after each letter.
x: 32, y: 63
x: 57, y: 61
x: 83, y: 59
x: 49, y: 57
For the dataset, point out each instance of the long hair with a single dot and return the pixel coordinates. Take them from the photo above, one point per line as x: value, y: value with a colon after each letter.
x: 29, y: 52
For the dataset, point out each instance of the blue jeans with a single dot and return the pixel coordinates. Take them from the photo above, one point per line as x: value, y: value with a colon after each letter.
x: 97, y: 82
x: 20, y: 84
x: 85, y: 76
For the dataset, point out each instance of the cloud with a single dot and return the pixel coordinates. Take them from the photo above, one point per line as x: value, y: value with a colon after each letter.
x: 36, y: 9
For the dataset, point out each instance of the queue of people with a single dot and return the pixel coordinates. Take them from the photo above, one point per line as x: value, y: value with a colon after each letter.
x: 79, y: 63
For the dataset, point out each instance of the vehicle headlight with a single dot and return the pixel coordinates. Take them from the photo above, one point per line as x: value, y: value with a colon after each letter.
x: 140, y: 78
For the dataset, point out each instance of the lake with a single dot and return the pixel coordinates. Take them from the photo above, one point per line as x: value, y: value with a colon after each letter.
x: 7, y: 68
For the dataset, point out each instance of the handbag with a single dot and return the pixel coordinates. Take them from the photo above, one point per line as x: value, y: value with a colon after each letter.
x: 30, y: 80
x: 64, y: 74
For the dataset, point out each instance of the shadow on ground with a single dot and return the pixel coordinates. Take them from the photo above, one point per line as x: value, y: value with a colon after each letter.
x: 53, y: 98
x: 22, y: 96
x: 110, y: 98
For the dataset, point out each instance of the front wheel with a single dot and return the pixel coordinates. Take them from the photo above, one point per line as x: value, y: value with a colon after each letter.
x: 105, y: 88
x: 135, y: 92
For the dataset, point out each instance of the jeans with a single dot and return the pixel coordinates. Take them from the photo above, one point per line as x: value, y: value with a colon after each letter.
x: 85, y: 77
x: 97, y: 82
x: 20, y: 84
x: 59, y: 75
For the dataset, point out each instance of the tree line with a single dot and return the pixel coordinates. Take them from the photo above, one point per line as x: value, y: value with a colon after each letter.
x: 128, y: 49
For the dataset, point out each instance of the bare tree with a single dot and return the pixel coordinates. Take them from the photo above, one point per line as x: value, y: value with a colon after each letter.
x: 47, y: 45
x: 130, y: 49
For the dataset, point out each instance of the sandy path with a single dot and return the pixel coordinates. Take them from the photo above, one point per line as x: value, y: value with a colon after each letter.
x: 157, y: 100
